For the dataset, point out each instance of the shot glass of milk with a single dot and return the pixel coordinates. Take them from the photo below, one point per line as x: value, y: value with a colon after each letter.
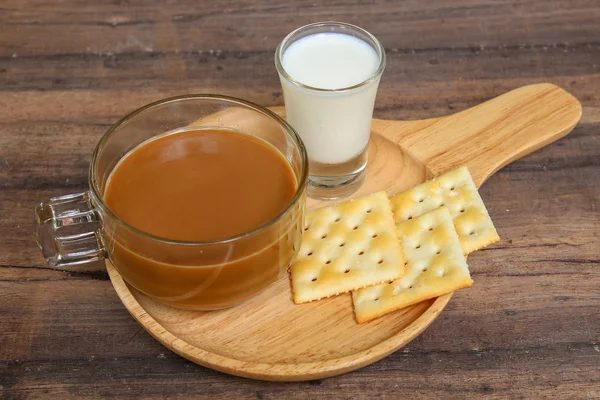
x: 329, y: 73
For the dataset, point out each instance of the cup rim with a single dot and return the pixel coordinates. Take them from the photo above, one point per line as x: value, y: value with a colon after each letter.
x: 375, y: 75
x: 302, y: 182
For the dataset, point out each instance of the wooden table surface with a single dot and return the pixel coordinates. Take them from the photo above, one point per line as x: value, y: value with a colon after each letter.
x: 528, y: 328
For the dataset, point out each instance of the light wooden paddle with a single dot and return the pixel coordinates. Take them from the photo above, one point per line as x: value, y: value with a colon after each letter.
x: 270, y: 338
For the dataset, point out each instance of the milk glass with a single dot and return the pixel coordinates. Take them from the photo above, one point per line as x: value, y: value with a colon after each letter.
x: 333, y: 122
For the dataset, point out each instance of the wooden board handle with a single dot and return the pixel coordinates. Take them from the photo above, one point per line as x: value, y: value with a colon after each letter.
x: 490, y: 135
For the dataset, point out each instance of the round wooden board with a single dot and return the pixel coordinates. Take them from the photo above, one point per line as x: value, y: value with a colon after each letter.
x: 271, y: 338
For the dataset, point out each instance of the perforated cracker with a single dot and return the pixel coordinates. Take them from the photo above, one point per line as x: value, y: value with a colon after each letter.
x: 345, y: 247
x: 457, y: 191
x: 435, y: 265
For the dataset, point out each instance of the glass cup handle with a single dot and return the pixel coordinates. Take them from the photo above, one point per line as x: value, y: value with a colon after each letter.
x: 68, y: 230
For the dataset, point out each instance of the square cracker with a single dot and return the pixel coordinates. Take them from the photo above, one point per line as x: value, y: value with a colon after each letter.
x: 457, y: 191
x: 435, y: 266
x: 345, y: 247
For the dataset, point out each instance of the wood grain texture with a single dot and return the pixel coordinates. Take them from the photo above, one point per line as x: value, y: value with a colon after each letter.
x: 529, y: 328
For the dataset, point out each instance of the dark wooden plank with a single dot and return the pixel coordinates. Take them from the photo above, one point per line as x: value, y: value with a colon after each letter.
x: 422, y: 375
x: 528, y: 328
x: 468, y: 350
x: 138, y: 26
x: 495, y: 302
x: 444, y: 68
x: 414, y: 86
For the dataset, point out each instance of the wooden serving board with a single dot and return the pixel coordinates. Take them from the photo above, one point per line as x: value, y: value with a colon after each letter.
x: 271, y: 338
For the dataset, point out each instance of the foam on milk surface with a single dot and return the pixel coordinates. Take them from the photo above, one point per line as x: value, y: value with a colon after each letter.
x: 330, y: 60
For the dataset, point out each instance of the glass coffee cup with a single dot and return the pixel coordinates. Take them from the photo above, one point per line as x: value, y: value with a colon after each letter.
x: 80, y: 228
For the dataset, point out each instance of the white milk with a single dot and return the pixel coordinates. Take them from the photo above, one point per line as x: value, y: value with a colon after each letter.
x: 334, y: 126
